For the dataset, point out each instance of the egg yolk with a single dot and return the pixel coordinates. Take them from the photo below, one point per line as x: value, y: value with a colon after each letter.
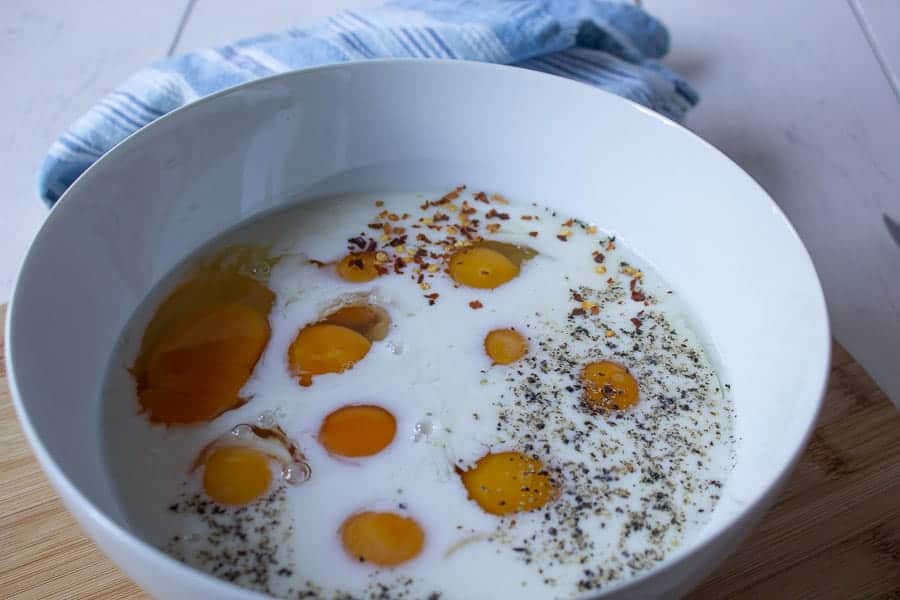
x: 508, y: 482
x: 482, y: 268
x: 325, y: 348
x: 382, y: 538
x: 372, y: 322
x: 236, y: 475
x: 356, y: 431
x: 609, y: 385
x: 358, y: 267
x: 505, y: 346
x: 201, y: 347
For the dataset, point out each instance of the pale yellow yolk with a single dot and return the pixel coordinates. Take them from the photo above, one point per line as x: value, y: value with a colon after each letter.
x: 357, y: 267
x: 325, y: 348
x: 508, y: 482
x: 236, y: 475
x: 505, y: 346
x: 382, y: 538
x: 371, y: 322
x: 356, y: 431
x: 482, y: 268
x: 201, y: 347
x: 609, y: 385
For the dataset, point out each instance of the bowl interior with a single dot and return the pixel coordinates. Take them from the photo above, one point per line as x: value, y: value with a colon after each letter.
x: 702, y: 222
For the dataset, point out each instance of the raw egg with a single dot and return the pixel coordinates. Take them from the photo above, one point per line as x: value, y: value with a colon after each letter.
x: 237, y: 467
x: 337, y: 342
x: 505, y: 346
x: 358, y: 267
x: 202, y: 345
x: 609, y: 385
x: 382, y: 538
x: 508, y: 482
x: 361, y: 430
x: 488, y: 264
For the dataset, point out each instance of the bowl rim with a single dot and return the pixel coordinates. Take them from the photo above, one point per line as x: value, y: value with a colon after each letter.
x: 163, y: 562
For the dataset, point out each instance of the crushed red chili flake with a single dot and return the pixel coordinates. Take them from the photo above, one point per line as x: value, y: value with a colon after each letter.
x: 569, y: 223
x: 318, y: 263
x: 358, y: 241
x: 595, y: 310
x: 481, y: 197
x: 438, y: 217
x: 370, y: 247
x: 432, y: 298
x: 611, y: 244
x: 423, y: 238
x: 493, y: 214
x: 381, y: 270
x: 379, y: 203
x: 577, y: 297
x: 375, y: 225
x: 562, y: 238
x: 636, y: 294
x: 598, y: 256
x: 636, y: 322
x: 475, y: 304
x: 467, y: 209
x: 499, y: 199
x: 527, y: 217
x: 398, y: 241
x: 493, y: 227
x: 533, y: 233
x: 577, y: 312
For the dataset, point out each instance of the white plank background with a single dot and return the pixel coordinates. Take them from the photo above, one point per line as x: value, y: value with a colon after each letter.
x: 801, y: 98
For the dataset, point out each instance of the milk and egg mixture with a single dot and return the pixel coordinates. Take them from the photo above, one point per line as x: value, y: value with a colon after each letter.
x: 416, y: 396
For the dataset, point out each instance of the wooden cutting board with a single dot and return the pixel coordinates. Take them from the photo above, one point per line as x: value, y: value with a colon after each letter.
x: 833, y: 533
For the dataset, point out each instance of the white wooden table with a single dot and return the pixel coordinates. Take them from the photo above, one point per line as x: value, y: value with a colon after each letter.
x: 805, y: 95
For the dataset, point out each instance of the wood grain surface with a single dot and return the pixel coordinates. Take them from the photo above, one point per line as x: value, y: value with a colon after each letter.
x: 833, y: 533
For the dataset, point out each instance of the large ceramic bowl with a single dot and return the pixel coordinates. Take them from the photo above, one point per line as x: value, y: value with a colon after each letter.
x: 702, y: 222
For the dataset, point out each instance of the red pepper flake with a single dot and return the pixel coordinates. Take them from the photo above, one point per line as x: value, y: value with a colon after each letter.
x: 577, y: 297
x: 562, y: 238
x: 379, y: 203
x: 421, y: 278
x: 393, y: 217
x: 533, y: 233
x: 499, y: 199
x: 432, y: 298
x: 450, y: 196
x: 637, y: 323
x: 404, y: 216
x: 370, y: 247
x: 481, y: 197
x: 438, y: 217
x: 595, y: 310
x: 636, y: 294
x: 375, y: 225
x: 611, y: 244
x: 381, y: 270
x: 493, y: 214
x: 358, y: 241
x: 318, y: 263
x: 598, y: 257
x: 493, y: 227
x: 399, y: 265
x: 398, y: 241
x: 577, y: 312
x: 423, y: 238
x: 569, y: 223
x: 475, y: 304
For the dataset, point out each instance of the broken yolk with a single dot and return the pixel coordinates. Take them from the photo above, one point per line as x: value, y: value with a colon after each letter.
x: 505, y: 346
x: 508, y: 482
x: 609, y: 385
x: 355, y: 431
x: 382, y: 538
x: 325, y: 348
x: 357, y: 267
x: 201, y: 347
x: 482, y: 268
x: 236, y: 475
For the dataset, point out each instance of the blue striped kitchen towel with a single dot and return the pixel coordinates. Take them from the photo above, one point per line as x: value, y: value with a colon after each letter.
x: 612, y: 45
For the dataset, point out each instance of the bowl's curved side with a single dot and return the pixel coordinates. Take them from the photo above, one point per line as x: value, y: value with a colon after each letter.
x: 177, y: 183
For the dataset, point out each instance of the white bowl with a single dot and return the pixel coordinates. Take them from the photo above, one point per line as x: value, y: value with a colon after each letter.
x: 705, y: 225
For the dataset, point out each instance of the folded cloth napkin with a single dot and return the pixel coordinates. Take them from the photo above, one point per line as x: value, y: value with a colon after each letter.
x: 611, y: 45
